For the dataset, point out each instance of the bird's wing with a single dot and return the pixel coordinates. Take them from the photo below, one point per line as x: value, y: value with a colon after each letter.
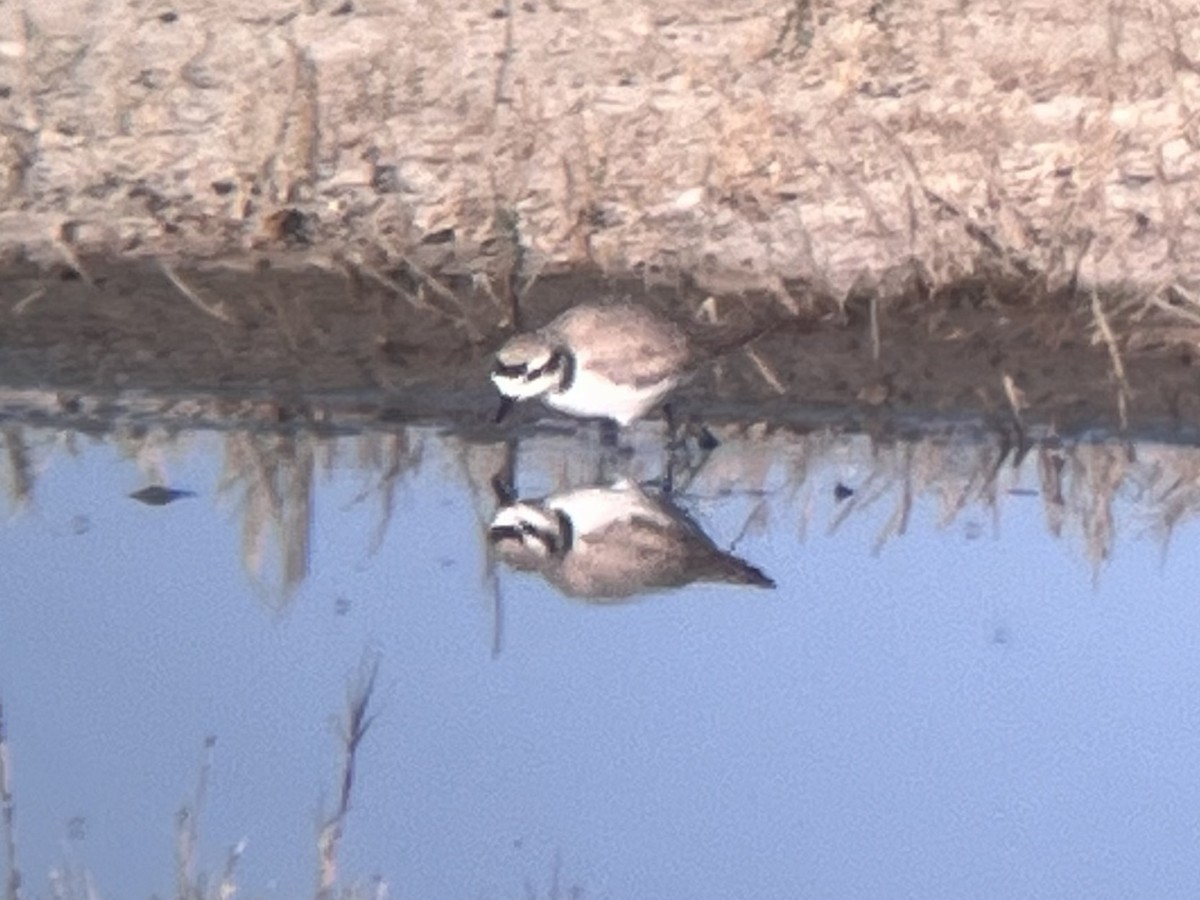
x: 647, y: 553
x: 625, y: 558
x: 625, y: 343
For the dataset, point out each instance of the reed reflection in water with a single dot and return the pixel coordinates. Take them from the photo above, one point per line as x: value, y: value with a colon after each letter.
x: 268, y: 479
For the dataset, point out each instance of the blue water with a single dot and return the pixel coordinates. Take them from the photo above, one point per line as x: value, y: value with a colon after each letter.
x: 970, y: 708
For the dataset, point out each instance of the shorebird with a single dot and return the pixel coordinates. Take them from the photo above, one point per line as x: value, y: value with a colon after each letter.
x: 612, y: 543
x: 608, y: 361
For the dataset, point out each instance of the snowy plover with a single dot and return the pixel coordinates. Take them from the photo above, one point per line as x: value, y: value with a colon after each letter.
x: 609, y: 361
x: 612, y: 543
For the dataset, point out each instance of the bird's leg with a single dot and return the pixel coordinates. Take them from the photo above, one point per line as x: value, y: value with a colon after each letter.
x: 504, y: 482
x: 672, y: 426
x: 504, y: 492
x: 706, y: 440
x: 610, y: 440
x: 690, y: 462
x: 608, y: 434
x: 668, y: 479
x: 679, y: 453
x: 611, y: 452
x: 670, y: 449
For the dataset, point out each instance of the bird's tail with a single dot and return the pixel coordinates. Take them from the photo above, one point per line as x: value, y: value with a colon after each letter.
x: 733, y: 570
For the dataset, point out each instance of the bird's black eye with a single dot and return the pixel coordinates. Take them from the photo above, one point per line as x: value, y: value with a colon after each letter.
x: 498, y: 533
x: 545, y: 537
x: 560, y: 363
x: 550, y: 365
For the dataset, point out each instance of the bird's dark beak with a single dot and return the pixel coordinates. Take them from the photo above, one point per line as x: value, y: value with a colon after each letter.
x: 506, y: 405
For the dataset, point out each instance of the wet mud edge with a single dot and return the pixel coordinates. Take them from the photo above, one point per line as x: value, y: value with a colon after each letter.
x: 282, y: 345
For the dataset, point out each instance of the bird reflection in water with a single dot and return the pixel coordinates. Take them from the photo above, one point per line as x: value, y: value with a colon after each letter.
x: 607, y: 544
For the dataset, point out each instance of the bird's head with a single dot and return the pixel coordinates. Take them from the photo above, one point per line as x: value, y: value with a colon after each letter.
x: 529, y: 366
x: 527, y: 535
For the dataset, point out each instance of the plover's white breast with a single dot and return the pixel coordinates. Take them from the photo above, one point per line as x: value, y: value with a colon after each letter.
x: 592, y: 395
x: 591, y: 510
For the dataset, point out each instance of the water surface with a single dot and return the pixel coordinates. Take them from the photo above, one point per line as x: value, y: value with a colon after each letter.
x: 975, y: 677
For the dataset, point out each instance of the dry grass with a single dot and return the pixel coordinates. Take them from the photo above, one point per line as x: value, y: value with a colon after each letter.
x: 388, y: 459
x: 1114, y: 353
x: 20, y: 477
x: 12, y: 883
x: 557, y: 888
x: 839, y: 146
x: 354, y: 726
x: 192, y: 882
x: 275, y: 477
x: 216, y: 310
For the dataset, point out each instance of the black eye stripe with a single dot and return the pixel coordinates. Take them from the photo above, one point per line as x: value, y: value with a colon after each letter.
x: 553, y: 363
x: 500, y: 533
x: 522, y: 370
x: 509, y: 371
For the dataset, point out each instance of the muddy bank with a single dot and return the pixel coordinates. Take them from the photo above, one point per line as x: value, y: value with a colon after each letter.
x: 310, y: 344
x: 844, y: 148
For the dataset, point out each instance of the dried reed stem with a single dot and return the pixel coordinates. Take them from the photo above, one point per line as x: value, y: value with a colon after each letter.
x: 12, y: 885
x: 448, y: 295
x: 22, y: 477
x: 73, y: 261
x: 187, y: 831
x: 228, y: 884
x: 1114, y: 353
x: 1181, y: 312
x: 21, y: 305
x: 354, y: 729
x: 500, y: 93
x: 388, y: 283
x: 875, y: 338
x: 768, y: 375
x: 1016, y: 398
x: 216, y: 310
x: 897, y: 525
